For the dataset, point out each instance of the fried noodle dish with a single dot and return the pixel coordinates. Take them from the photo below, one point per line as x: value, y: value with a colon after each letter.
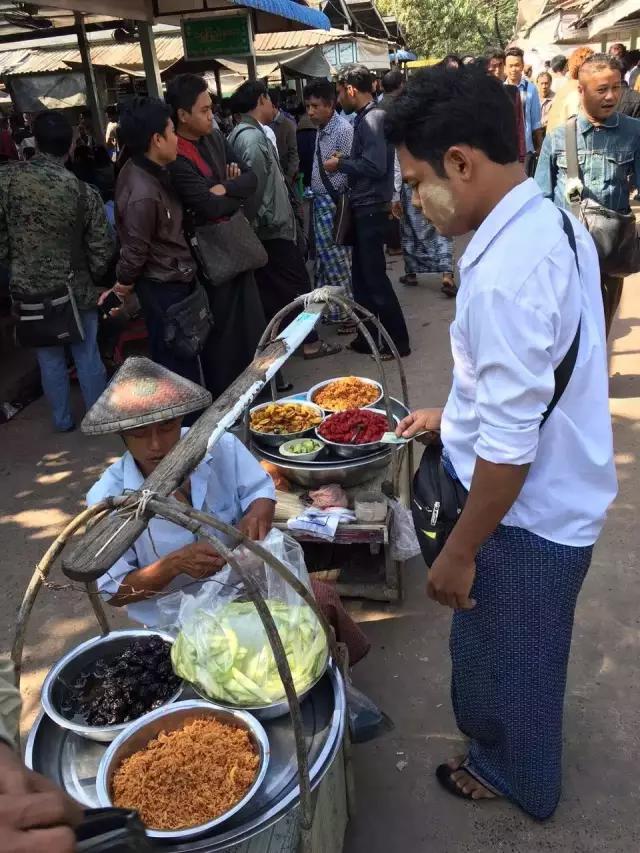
x: 284, y: 418
x: 347, y: 393
x: 187, y: 777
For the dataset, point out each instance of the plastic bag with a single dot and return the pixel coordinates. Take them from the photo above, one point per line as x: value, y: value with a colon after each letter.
x: 222, y: 646
x: 403, y: 540
x: 366, y: 720
x: 329, y: 496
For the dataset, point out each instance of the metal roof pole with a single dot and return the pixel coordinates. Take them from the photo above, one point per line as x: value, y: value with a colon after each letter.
x: 252, y: 65
x: 93, y: 99
x: 150, y: 59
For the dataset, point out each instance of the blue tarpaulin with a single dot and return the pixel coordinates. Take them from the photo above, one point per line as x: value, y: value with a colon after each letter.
x: 402, y: 56
x: 288, y: 9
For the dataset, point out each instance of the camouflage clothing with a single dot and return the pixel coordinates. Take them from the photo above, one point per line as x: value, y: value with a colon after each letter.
x: 38, y: 204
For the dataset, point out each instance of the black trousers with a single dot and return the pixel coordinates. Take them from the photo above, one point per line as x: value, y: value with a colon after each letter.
x: 371, y: 285
x: 155, y: 297
x: 283, y: 279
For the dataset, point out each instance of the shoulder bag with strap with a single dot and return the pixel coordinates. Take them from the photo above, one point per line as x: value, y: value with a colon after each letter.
x: 439, y: 498
x: 343, y: 234
x: 227, y: 248
x: 615, y: 234
x: 52, y: 318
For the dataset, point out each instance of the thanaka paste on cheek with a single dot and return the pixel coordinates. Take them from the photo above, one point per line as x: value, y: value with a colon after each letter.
x: 438, y: 205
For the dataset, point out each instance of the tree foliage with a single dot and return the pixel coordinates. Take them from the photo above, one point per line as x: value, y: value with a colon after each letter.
x: 454, y: 26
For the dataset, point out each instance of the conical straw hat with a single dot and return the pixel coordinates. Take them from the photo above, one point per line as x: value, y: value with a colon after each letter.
x: 142, y: 393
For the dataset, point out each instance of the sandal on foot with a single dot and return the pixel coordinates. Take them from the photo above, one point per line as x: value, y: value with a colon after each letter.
x: 324, y: 350
x: 449, y: 287
x: 410, y: 279
x: 444, y: 775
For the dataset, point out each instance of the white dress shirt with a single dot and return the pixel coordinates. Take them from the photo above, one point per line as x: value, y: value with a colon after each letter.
x: 224, y: 484
x: 517, y: 313
x: 268, y: 132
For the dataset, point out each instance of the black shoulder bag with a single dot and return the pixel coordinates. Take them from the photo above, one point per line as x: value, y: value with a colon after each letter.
x: 615, y: 234
x: 343, y: 220
x: 52, y: 318
x: 438, y: 498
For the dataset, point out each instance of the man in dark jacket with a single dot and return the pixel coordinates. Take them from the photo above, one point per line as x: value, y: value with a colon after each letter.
x: 370, y: 171
x: 212, y: 187
x: 284, y: 128
x: 155, y: 258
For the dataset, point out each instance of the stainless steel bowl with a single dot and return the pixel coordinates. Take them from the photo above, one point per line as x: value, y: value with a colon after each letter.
x: 356, y: 451
x: 347, y: 472
x: 271, y: 439
x: 313, y: 391
x: 68, y: 668
x: 138, y: 734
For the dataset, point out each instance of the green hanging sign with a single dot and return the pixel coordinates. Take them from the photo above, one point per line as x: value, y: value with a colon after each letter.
x: 207, y: 38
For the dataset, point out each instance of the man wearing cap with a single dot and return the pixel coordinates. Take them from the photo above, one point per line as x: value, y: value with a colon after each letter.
x: 145, y: 404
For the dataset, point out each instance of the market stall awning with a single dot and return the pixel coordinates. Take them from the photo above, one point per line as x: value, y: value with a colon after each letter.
x: 289, y: 9
x: 309, y: 62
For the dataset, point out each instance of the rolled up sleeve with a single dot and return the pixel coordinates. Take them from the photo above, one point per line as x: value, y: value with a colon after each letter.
x: 252, y: 480
x: 514, y: 374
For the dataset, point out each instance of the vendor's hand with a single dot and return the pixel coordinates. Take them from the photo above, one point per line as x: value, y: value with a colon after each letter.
x: 258, y: 521
x: 35, y: 815
x: 450, y: 579
x: 396, y: 209
x: 218, y: 189
x: 200, y: 560
x: 422, y: 420
x: 331, y: 165
x: 233, y: 171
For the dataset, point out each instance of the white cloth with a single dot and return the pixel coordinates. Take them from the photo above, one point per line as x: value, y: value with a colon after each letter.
x: 517, y: 312
x: 397, y: 178
x: 321, y: 523
x: 224, y: 484
x: 268, y: 132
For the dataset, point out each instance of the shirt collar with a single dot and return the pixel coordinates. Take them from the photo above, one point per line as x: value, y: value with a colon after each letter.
x: 506, y: 210
x: 584, y: 125
x: 132, y: 478
x: 330, y: 126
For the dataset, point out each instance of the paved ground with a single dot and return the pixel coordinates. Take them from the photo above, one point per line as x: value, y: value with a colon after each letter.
x: 43, y: 478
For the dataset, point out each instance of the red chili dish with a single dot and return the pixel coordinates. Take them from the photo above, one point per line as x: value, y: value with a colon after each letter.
x: 355, y: 426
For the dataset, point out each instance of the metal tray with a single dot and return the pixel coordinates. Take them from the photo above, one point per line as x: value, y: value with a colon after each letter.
x: 72, y: 762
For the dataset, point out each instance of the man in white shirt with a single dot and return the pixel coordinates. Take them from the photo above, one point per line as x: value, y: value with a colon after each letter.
x: 514, y: 563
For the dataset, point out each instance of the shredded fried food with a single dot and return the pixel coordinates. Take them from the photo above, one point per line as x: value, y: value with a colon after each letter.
x: 187, y: 777
x: 347, y: 393
x: 284, y: 418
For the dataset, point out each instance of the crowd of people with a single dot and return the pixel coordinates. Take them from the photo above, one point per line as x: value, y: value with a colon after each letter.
x: 483, y: 147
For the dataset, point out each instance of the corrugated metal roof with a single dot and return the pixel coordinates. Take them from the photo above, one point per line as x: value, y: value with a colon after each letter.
x: 38, y: 61
x: 297, y: 38
x: 289, y: 10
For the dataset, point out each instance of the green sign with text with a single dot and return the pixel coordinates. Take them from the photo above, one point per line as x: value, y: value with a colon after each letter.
x: 206, y: 38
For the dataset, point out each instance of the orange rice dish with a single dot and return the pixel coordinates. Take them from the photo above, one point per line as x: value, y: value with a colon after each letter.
x: 347, y: 393
x: 187, y: 777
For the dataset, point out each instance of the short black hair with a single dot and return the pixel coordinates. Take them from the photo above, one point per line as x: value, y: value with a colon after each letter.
x: 357, y: 76
x: 53, y: 133
x: 183, y: 91
x: 451, y: 58
x: 439, y: 109
x: 275, y: 96
x: 495, y: 53
x: 392, y: 81
x: 246, y: 97
x: 140, y: 119
x: 601, y: 60
x: 514, y: 51
x: 559, y: 64
x: 324, y: 90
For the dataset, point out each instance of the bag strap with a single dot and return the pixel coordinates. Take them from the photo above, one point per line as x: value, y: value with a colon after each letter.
x: 562, y: 373
x: 573, y: 167
x: 78, y: 259
x: 331, y: 190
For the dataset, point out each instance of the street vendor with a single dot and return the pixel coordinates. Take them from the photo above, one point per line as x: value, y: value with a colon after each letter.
x: 145, y: 404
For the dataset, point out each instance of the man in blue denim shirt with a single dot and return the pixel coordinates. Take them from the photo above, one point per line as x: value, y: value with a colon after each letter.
x: 514, y: 68
x: 608, y: 154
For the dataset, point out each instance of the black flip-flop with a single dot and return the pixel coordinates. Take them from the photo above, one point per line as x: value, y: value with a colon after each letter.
x: 444, y: 773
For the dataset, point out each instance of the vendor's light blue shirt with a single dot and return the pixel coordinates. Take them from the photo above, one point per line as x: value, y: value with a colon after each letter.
x: 224, y: 484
